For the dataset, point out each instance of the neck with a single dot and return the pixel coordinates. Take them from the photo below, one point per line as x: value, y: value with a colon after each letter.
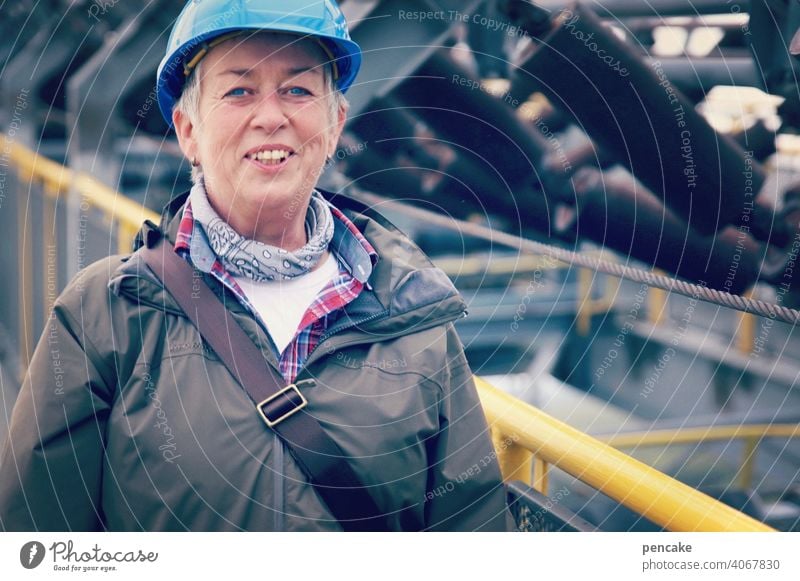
x: 279, y: 227
x: 266, y: 244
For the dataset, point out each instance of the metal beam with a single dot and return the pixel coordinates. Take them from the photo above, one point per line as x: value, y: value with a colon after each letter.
x: 95, y: 92
x: 395, y: 44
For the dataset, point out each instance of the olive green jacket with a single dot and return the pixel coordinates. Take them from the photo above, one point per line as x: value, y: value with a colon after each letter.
x: 128, y: 421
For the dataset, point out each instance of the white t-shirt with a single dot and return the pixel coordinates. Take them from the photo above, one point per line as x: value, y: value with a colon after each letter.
x: 281, y: 304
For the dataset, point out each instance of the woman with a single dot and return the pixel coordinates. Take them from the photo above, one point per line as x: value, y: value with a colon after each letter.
x: 149, y: 429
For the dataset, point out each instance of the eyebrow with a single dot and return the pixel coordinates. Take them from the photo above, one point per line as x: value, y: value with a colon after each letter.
x: 300, y: 70
x: 237, y: 72
x: 293, y: 72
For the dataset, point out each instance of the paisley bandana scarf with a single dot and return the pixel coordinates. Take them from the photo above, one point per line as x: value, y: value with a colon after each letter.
x: 258, y: 261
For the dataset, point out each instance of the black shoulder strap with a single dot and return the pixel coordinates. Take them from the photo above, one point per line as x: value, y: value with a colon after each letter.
x: 280, y: 406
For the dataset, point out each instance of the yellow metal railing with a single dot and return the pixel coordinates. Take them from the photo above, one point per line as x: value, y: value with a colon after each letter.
x: 498, y: 265
x: 751, y: 435
x: 526, y: 432
x: 527, y: 440
x: 586, y: 306
x: 746, y: 328
x: 57, y: 182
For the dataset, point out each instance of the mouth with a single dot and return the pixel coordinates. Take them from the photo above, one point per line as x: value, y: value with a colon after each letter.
x: 270, y: 155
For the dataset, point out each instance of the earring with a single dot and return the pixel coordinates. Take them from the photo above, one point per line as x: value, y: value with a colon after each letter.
x: 194, y: 162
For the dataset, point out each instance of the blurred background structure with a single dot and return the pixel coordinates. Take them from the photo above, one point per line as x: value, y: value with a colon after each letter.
x: 658, y: 135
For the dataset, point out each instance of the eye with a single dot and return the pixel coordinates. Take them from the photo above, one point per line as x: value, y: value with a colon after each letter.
x: 298, y: 91
x: 237, y: 92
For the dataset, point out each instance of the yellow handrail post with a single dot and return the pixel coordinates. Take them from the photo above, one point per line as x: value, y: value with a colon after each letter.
x: 748, y: 462
x: 656, y: 303
x: 541, y: 475
x: 613, y: 285
x: 50, y: 250
x: 25, y: 282
x: 514, y: 460
x: 585, y: 303
x: 745, y: 338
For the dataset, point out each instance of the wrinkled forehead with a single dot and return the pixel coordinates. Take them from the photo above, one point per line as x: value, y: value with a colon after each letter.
x: 248, y: 50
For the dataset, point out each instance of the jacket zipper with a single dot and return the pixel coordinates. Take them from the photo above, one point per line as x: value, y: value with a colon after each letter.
x: 351, y: 325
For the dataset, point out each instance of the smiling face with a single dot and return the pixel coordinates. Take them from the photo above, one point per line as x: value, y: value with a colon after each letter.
x: 263, y: 133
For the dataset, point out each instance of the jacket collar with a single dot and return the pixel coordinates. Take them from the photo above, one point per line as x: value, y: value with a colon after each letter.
x: 407, y: 290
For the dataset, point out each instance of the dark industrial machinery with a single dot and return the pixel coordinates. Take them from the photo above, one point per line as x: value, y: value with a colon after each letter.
x: 553, y: 120
x: 566, y: 132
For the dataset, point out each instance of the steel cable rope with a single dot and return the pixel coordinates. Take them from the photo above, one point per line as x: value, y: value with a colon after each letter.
x: 725, y: 299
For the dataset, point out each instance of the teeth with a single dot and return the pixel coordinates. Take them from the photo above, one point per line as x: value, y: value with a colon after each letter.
x: 272, y: 156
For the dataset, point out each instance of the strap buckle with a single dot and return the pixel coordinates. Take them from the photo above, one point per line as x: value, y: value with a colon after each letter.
x: 284, y: 403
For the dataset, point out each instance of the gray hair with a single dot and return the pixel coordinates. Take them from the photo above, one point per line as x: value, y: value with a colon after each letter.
x: 189, y: 104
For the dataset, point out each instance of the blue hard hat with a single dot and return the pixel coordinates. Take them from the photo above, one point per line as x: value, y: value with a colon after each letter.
x: 203, y: 21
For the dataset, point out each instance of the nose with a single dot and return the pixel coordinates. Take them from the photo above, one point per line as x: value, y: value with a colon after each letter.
x: 269, y: 113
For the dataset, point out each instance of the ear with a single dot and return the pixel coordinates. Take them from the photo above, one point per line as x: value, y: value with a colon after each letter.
x: 336, y: 130
x: 186, y: 133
